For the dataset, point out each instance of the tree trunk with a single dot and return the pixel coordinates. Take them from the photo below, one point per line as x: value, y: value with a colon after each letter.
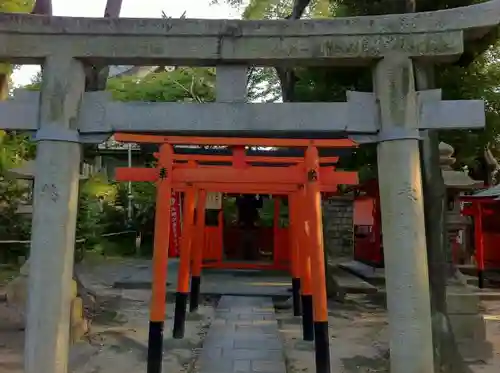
x: 43, y: 7
x: 113, y: 8
x: 4, y: 87
x: 447, y: 357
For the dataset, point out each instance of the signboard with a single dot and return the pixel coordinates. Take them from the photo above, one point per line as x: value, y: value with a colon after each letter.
x: 214, y: 201
x: 175, y: 226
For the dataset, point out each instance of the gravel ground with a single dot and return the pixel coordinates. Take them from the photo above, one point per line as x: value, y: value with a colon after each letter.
x: 359, y: 338
x: 118, y: 339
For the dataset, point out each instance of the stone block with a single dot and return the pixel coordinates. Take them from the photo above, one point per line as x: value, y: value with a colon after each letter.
x: 462, y: 303
x: 268, y: 366
x: 245, y: 353
x: 473, y: 351
x: 242, y: 366
x: 258, y: 343
x: 213, y: 353
x: 25, y: 268
x: 468, y: 327
x: 16, y: 292
x: 216, y: 366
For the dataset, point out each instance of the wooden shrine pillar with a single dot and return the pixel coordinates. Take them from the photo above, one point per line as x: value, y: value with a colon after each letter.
x: 312, y: 202
x: 197, y: 247
x: 160, y: 260
x: 188, y: 230
x: 294, y: 244
x: 479, y: 242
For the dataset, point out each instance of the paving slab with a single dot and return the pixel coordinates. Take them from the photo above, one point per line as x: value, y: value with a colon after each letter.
x: 219, y: 282
x: 375, y: 276
x: 351, y: 283
x: 214, y: 281
x: 243, y: 338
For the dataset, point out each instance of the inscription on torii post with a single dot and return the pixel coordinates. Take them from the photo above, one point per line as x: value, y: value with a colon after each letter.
x: 63, y: 116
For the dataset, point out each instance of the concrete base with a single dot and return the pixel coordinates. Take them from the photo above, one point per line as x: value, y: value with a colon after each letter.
x: 464, y: 307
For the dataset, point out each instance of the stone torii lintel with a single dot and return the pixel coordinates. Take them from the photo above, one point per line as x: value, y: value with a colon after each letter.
x: 438, y: 36
x: 100, y: 117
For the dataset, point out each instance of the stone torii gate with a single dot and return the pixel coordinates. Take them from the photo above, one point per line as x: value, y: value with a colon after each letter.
x: 64, y: 116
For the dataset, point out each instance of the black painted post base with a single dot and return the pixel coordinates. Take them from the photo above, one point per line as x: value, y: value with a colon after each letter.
x: 297, y: 311
x: 180, y: 315
x: 307, y: 318
x: 194, y: 295
x: 322, y: 347
x: 155, y: 347
x: 480, y: 279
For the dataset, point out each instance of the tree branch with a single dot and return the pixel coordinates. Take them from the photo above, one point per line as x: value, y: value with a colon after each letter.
x: 299, y: 7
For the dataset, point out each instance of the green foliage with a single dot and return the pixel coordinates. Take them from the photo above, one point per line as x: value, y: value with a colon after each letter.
x: 16, y: 6
x: 182, y: 84
x: 12, y: 225
x: 14, y: 149
x: 95, y: 193
x: 479, y: 80
x: 376, y: 7
x: 144, y: 203
x: 268, y: 9
x: 263, y: 85
x: 278, y: 9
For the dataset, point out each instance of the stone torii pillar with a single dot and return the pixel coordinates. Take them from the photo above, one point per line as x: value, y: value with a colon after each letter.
x: 403, y: 224
x: 54, y: 217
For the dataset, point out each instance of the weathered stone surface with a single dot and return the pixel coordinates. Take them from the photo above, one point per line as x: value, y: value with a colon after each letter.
x: 467, y: 327
x: 338, y: 240
x: 16, y: 294
x: 462, y: 302
x: 403, y: 223
x: 260, y: 42
x: 54, y: 217
x: 236, y: 345
x: 467, y: 322
x: 338, y: 227
x: 464, y: 18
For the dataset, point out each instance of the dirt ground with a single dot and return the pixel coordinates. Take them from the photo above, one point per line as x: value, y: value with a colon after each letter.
x: 359, y: 338
x: 117, y: 343
x: 118, y: 339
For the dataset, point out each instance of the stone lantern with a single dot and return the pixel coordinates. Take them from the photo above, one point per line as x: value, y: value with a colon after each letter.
x: 457, y: 183
x: 467, y: 323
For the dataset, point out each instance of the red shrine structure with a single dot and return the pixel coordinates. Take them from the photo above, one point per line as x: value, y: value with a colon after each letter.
x: 484, y: 208
x: 222, y: 246
x: 368, y: 243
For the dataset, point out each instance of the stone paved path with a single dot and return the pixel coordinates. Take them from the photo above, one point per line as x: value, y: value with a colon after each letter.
x: 244, y: 337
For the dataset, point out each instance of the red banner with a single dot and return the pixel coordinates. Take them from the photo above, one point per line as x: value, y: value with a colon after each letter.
x: 175, y: 226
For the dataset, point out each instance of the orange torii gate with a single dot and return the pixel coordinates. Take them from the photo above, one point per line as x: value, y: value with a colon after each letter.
x: 302, y: 183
